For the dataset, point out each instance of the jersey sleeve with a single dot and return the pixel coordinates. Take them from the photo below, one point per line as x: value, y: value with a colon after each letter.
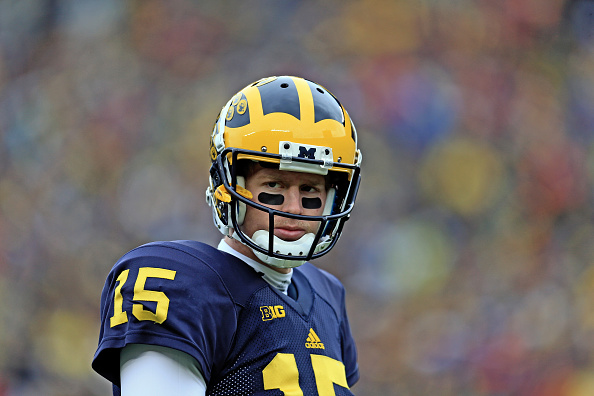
x: 160, y: 295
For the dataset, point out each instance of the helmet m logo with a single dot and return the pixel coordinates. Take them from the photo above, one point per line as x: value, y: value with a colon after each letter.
x: 304, y: 152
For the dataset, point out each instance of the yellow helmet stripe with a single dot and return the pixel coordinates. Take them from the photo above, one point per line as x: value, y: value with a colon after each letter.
x: 306, y: 103
x: 255, y: 103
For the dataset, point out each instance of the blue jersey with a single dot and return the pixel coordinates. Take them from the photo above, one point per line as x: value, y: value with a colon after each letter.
x: 247, y: 337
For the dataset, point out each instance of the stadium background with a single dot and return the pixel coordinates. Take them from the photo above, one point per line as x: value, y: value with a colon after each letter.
x: 469, y: 260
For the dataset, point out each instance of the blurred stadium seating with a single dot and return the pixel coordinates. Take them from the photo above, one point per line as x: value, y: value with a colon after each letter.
x: 469, y: 260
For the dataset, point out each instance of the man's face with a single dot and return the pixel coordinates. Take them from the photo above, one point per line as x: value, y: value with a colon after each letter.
x: 291, y: 192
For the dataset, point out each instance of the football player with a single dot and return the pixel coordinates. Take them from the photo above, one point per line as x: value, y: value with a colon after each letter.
x: 252, y: 316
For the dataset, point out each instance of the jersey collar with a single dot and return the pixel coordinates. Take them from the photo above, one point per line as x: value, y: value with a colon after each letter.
x: 276, y: 279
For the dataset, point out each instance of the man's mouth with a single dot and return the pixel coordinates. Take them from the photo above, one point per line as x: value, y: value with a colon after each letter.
x: 289, y: 233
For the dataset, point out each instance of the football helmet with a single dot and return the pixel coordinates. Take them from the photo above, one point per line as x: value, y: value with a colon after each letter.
x: 299, y: 126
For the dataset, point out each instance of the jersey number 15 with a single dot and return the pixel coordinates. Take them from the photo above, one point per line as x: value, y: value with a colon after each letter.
x: 141, y: 294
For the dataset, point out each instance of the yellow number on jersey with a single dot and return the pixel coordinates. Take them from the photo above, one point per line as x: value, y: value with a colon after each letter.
x: 328, y: 372
x: 282, y: 373
x: 141, y: 294
x: 119, y: 316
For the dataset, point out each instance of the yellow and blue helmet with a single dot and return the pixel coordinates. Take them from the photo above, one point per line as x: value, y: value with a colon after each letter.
x: 299, y: 126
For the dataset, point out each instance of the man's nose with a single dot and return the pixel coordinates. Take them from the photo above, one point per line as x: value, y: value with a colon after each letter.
x: 292, y: 202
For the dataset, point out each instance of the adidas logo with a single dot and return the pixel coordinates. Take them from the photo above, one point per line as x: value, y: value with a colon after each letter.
x: 313, y: 341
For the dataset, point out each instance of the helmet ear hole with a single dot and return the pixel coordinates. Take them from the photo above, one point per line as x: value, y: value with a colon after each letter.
x: 241, y: 208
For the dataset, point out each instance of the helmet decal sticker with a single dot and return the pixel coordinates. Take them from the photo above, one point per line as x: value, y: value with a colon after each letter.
x: 238, y: 114
x: 213, y: 151
x: 241, y: 106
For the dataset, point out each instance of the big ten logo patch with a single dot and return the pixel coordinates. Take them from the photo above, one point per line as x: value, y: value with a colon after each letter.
x: 270, y: 312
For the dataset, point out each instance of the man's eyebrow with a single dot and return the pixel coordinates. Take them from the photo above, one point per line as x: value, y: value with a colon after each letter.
x: 308, y: 179
x: 315, y: 183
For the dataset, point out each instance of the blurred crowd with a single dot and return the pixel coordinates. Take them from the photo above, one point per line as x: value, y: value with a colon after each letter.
x: 469, y: 259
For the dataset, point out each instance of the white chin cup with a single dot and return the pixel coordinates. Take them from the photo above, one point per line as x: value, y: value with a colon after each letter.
x: 299, y: 247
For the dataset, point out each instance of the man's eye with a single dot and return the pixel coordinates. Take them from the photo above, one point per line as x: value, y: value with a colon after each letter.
x: 273, y: 184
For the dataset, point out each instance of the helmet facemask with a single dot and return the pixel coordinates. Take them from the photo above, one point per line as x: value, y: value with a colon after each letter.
x: 340, y: 196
